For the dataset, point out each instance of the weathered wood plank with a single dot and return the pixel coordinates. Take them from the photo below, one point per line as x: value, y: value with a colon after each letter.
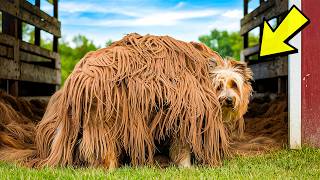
x: 7, y: 39
x: 8, y: 7
x: 28, y: 72
x: 250, y: 51
x: 38, y: 50
x: 38, y: 12
x: 32, y: 15
x: 278, y: 9
x: 40, y: 23
x: 10, y: 69
x: 25, y: 56
x: 29, y: 48
x: 270, y: 69
x: 260, y: 9
x: 6, y: 51
x: 33, y: 73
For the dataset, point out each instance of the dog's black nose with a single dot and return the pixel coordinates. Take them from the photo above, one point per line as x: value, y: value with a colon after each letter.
x: 229, y: 101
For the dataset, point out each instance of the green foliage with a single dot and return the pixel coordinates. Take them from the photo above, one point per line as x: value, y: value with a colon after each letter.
x: 284, y: 164
x: 225, y: 43
x: 108, y: 43
x: 71, y: 55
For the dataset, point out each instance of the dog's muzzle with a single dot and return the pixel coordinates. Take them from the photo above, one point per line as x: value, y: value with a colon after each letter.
x: 227, y: 102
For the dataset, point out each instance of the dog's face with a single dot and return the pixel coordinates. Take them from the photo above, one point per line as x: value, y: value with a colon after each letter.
x: 231, y: 80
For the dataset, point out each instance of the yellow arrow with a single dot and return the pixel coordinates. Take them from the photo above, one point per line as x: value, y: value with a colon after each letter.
x: 276, y: 42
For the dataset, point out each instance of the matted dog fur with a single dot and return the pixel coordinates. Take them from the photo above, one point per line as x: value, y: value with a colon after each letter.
x: 17, y: 130
x: 125, y: 97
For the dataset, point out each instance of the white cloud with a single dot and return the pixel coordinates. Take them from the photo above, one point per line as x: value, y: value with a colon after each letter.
x: 236, y: 13
x: 160, y: 18
x: 178, y: 21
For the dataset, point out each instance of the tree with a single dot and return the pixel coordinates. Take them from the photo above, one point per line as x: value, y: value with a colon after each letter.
x: 109, y: 42
x: 71, y: 56
x: 225, y: 43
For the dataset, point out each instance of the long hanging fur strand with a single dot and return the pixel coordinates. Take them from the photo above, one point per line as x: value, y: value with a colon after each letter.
x: 126, y: 96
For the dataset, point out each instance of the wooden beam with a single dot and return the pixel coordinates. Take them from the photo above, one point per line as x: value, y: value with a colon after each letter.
x: 8, y: 7
x: 32, y: 15
x: 37, y: 35
x: 245, y: 7
x: 28, y: 72
x: 6, y: 39
x: 38, y: 50
x: 246, y: 35
x: 27, y: 57
x: 6, y: 51
x: 251, y: 51
x: 39, y: 74
x: 9, y: 40
x: 12, y: 28
x: 259, y: 10
x: 40, y: 23
x: 55, y: 14
x: 58, y: 62
x: 11, y: 70
x: 255, y: 18
x: 270, y: 69
x: 55, y: 9
x: 38, y: 12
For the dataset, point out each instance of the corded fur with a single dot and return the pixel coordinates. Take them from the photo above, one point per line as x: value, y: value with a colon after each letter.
x: 126, y: 96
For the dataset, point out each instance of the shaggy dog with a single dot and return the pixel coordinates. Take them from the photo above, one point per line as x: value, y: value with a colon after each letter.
x: 124, y: 98
x: 231, y: 80
x: 138, y: 91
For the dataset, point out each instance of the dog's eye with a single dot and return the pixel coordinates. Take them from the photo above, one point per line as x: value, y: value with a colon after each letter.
x: 234, y: 85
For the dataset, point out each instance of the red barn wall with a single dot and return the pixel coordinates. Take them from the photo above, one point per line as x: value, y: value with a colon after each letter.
x: 311, y: 74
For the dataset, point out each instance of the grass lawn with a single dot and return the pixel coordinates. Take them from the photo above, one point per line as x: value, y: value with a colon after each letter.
x: 283, y: 164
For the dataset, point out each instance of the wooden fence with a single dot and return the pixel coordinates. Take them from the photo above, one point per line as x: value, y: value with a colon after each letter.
x: 270, y: 74
x: 27, y: 69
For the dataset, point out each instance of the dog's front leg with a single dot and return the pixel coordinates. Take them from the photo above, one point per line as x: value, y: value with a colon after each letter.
x: 111, y: 161
x: 180, y: 153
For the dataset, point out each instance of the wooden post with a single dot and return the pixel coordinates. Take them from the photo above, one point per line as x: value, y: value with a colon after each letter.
x: 37, y: 35
x: 12, y: 26
x: 261, y: 26
x: 246, y: 35
x: 56, y: 42
x: 55, y: 14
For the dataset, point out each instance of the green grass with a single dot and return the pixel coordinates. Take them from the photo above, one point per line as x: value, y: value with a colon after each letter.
x: 284, y: 164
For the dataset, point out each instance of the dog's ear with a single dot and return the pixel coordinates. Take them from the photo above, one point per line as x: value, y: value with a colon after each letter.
x: 243, y: 68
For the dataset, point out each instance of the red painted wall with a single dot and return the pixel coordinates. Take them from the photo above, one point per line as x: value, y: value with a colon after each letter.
x: 311, y: 74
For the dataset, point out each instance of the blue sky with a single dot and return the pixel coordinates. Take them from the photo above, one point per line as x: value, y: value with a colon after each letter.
x: 112, y: 19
